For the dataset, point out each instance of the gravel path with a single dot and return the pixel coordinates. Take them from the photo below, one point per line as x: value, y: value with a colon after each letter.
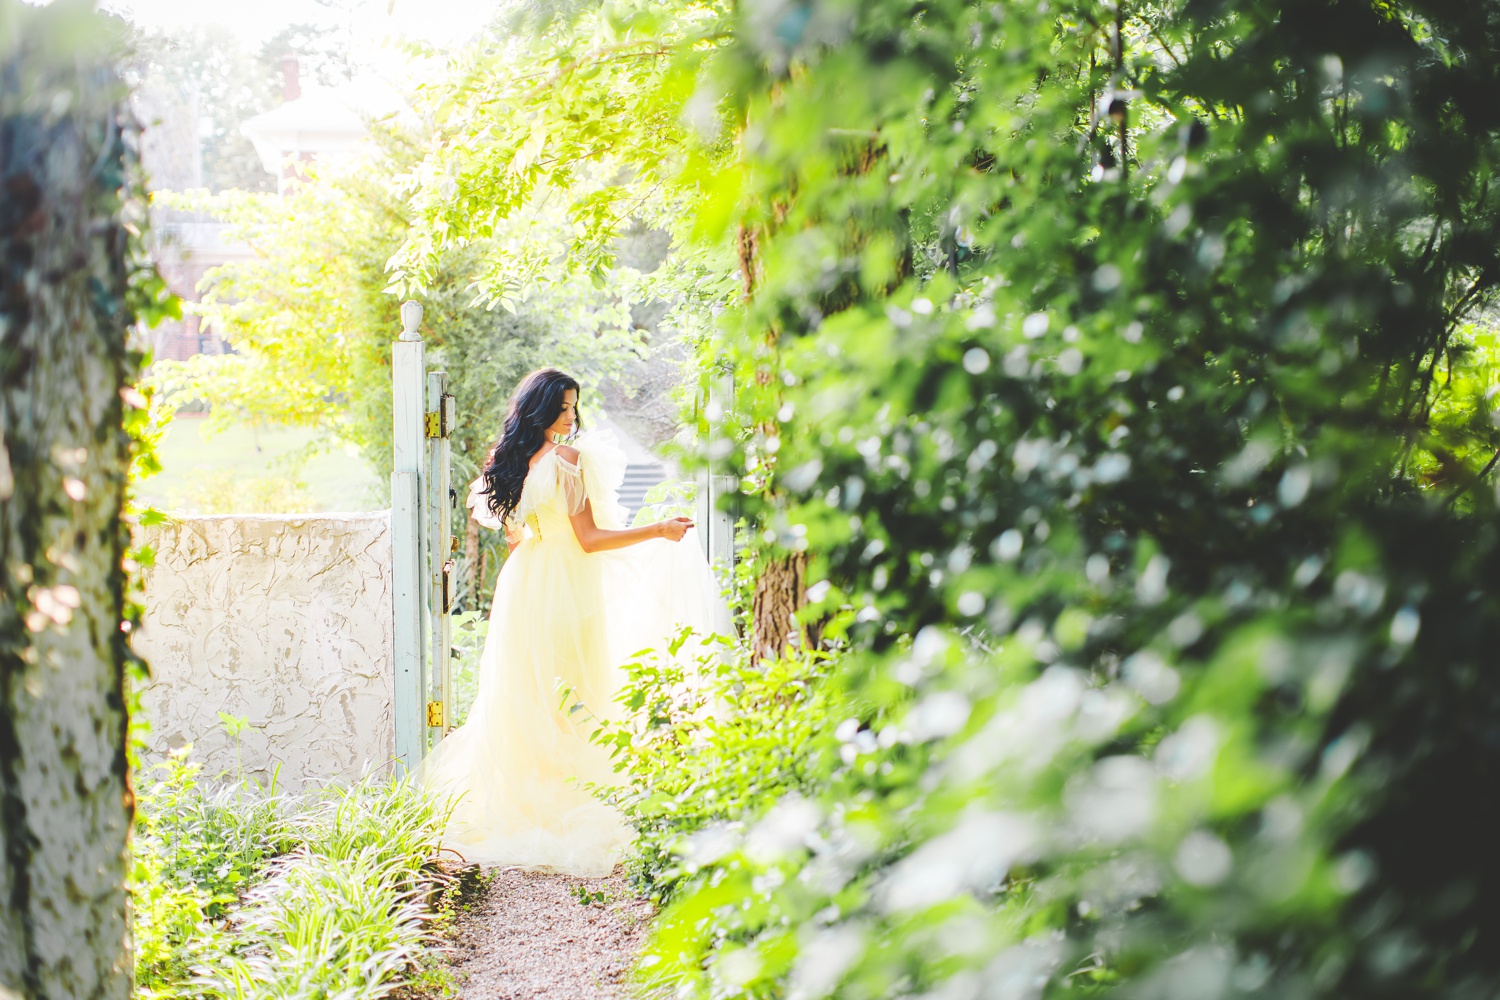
x: 531, y: 938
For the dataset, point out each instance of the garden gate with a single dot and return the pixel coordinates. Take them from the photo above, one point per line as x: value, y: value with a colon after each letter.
x: 422, y: 502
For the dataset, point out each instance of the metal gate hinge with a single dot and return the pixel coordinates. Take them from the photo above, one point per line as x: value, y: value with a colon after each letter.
x: 434, y: 426
x: 434, y: 713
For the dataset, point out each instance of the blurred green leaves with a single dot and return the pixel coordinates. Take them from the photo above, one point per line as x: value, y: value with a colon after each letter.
x: 1174, y: 460
x: 1126, y: 373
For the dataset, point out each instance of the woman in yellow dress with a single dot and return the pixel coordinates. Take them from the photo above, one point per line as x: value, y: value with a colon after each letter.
x: 579, y: 594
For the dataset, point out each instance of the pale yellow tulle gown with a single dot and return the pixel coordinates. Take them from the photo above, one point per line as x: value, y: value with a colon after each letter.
x: 562, y: 619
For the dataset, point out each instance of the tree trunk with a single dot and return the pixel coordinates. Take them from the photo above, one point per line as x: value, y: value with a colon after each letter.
x: 780, y: 592
x: 781, y: 589
x: 65, y: 798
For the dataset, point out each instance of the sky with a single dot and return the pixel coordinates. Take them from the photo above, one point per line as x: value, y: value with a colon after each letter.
x: 443, y: 22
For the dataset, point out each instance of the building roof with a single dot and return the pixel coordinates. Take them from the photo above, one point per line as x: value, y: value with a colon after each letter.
x: 324, y: 123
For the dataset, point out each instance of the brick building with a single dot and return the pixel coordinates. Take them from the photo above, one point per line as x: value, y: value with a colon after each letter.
x: 319, y: 124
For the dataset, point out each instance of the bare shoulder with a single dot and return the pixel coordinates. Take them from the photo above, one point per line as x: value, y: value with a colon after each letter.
x: 568, y: 453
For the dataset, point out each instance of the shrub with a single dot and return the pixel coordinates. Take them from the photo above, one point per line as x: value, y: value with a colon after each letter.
x: 324, y: 925
x: 709, y: 738
x: 1123, y: 378
x: 226, y: 491
x: 244, y: 892
x: 1122, y: 368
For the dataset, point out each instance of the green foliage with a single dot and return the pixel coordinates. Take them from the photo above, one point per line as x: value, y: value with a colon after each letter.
x: 1131, y: 444
x: 171, y: 928
x: 196, y: 85
x: 583, y: 135
x: 555, y: 145
x: 145, y: 421
x: 709, y: 737
x: 1460, y: 431
x: 667, y: 500
x: 324, y: 926
x: 312, y: 317
x: 193, y: 850
x: 1124, y: 372
x: 470, y: 630
x: 242, y: 893
x: 227, y: 491
x: 305, y: 327
x: 586, y: 897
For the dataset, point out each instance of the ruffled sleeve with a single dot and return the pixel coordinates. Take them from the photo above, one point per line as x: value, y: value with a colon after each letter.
x: 554, y: 483
x: 572, y: 488
x: 479, y: 506
x: 595, y: 479
x: 602, y: 463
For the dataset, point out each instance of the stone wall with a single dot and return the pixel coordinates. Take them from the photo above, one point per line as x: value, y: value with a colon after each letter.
x: 284, y: 621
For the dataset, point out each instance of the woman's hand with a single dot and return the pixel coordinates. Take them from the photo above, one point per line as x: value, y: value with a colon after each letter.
x: 592, y: 538
x: 674, y: 529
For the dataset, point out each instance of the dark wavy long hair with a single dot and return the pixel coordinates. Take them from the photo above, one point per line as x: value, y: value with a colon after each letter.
x: 534, y: 406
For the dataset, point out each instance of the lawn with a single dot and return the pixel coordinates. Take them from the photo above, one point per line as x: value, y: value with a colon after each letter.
x: 249, y: 470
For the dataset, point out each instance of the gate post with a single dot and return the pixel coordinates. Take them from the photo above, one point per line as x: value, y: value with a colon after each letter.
x: 716, y: 525
x: 440, y: 414
x: 408, y: 371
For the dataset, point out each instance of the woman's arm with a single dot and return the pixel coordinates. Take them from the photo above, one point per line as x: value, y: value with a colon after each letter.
x: 596, y: 539
x: 593, y: 538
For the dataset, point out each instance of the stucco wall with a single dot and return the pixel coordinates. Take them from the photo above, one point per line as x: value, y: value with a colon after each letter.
x: 283, y: 620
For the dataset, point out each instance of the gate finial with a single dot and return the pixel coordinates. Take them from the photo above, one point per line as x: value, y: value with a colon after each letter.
x: 411, y: 318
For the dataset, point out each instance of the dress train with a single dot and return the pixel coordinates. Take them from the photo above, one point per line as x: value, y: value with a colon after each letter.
x: 562, y: 622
